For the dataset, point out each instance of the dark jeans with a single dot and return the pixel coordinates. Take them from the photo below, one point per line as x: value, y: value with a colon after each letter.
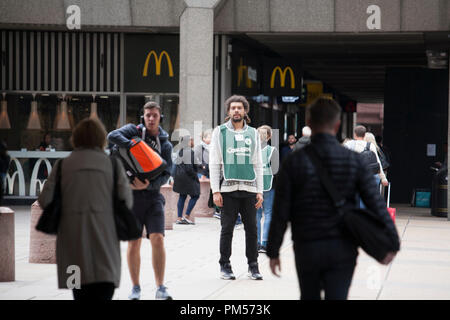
x: 233, y: 203
x: 191, y: 204
x: 94, y: 291
x: 325, y: 264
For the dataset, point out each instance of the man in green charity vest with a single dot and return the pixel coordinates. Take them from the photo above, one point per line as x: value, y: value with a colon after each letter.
x: 236, y: 177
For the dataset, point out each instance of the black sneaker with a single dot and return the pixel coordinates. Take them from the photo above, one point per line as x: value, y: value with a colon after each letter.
x: 226, y: 273
x: 262, y: 249
x: 253, y: 271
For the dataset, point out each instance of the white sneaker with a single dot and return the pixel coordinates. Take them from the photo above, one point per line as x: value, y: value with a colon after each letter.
x: 162, y: 294
x: 188, y: 221
x: 135, y: 293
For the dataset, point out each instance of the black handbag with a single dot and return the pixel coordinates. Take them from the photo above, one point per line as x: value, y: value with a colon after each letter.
x: 126, y: 224
x: 49, y: 220
x: 365, y: 228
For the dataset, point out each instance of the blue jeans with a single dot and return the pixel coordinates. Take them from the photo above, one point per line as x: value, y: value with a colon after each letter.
x: 267, y: 208
x: 191, y: 204
x: 377, y: 182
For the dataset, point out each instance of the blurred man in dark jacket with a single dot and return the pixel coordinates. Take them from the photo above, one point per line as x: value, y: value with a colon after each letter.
x: 325, y: 257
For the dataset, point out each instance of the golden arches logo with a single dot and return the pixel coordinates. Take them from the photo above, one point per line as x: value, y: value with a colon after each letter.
x: 157, y: 63
x: 243, y: 72
x: 282, y: 77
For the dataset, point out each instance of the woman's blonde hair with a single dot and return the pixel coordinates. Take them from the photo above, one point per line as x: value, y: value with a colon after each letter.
x: 206, y: 133
x: 265, y: 132
x: 369, y: 137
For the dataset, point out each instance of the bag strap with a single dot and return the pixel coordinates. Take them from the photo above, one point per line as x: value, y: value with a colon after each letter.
x: 114, y: 165
x: 58, y: 177
x: 337, y: 198
x: 367, y: 146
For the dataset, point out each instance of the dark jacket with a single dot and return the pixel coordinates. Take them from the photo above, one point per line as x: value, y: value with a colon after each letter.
x: 185, y: 179
x: 301, y: 199
x: 122, y: 138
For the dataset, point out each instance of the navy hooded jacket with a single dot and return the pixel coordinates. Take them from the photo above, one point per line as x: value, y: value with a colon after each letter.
x: 122, y: 137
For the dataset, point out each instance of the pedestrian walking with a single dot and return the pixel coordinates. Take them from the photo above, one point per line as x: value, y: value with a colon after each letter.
x: 87, y: 236
x: 289, y: 147
x: 5, y: 160
x: 235, y: 150
x: 369, y: 153
x: 369, y: 137
x: 305, y: 139
x: 148, y: 200
x: 325, y: 255
x: 201, y: 152
x: 186, y: 180
x: 270, y: 160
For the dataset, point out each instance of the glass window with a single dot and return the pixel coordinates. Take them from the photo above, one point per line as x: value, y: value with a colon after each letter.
x: 29, y: 126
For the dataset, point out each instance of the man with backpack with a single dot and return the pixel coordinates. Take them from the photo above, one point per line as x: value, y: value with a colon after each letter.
x: 148, y: 200
x: 368, y: 152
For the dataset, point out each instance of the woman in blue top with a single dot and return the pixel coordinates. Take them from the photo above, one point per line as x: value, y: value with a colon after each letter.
x: 270, y: 158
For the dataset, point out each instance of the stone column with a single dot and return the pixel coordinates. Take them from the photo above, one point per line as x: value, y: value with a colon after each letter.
x: 196, y: 65
x: 7, y: 248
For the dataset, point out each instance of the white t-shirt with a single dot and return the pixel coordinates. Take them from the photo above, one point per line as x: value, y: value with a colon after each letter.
x: 359, y: 146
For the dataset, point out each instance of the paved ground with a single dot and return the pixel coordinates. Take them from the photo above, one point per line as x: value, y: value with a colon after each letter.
x: 420, y: 271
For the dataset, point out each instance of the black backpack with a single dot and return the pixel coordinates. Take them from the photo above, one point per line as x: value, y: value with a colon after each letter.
x: 383, y: 160
x: 371, y: 159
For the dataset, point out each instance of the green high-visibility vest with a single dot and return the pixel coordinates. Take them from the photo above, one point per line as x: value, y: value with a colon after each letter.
x: 267, y: 169
x: 238, y: 148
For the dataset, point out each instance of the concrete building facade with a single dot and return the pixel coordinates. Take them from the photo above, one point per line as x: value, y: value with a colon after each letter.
x: 57, y: 51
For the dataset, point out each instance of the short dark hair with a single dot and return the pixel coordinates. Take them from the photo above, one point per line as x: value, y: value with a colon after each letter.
x: 360, y: 131
x: 89, y: 133
x: 151, y: 105
x: 243, y: 100
x: 323, y: 112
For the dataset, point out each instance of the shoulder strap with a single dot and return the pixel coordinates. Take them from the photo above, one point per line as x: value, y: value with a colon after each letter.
x: 114, y: 166
x: 58, y: 176
x: 367, y: 146
x: 338, y: 200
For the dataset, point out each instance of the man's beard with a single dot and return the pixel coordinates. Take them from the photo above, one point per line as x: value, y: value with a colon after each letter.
x: 236, y: 119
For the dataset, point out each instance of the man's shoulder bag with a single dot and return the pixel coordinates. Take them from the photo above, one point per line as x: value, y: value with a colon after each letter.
x: 366, y: 229
x: 126, y: 224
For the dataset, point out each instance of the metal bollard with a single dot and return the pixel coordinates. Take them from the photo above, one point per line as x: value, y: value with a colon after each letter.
x: 42, y: 246
x: 170, y: 206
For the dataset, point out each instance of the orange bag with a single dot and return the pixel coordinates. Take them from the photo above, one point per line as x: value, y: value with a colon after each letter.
x: 141, y: 161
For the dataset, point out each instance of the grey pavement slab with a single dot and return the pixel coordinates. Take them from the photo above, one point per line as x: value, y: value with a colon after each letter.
x: 420, y: 271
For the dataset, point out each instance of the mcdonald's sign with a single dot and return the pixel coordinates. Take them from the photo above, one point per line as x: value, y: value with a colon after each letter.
x: 282, y: 73
x: 158, y: 63
x: 151, y: 63
x: 246, y: 74
x: 282, y: 78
